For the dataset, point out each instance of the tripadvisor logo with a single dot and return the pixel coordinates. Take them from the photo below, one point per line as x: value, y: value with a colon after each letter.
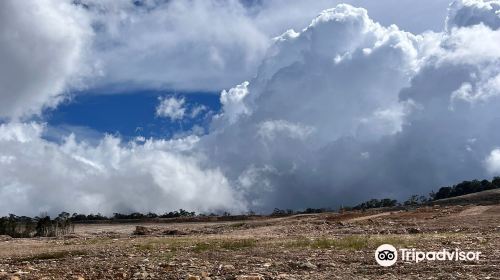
x: 387, y: 255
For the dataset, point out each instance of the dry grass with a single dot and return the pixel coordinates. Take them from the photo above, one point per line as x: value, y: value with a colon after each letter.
x: 231, y: 245
x: 52, y: 255
x: 350, y: 242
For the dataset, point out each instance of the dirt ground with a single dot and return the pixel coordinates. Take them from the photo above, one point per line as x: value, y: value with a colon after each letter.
x: 317, y: 246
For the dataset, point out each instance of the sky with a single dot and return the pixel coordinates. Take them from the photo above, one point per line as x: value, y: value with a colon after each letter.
x: 232, y: 105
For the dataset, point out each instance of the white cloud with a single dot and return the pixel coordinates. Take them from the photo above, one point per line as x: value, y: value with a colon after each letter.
x: 471, y: 12
x: 176, y: 108
x: 212, y: 44
x: 42, y: 52
x: 198, y: 110
x: 379, y: 101
x: 171, y: 107
x: 271, y: 129
x: 125, y: 45
x: 233, y: 102
x: 185, y: 45
x: 37, y: 175
x: 492, y: 162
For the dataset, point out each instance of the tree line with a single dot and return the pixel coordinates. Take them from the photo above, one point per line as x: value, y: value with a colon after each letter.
x: 41, y: 226
x: 463, y: 188
x: 76, y: 217
x: 466, y: 187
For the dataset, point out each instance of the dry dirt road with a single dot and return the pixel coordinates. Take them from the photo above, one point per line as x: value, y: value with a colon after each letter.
x: 319, y: 246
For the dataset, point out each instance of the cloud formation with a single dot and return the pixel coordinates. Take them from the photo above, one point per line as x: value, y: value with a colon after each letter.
x: 49, y: 48
x: 387, y: 112
x: 41, y: 176
x: 343, y: 110
x: 171, y: 107
x: 492, y: 162
x: 209, y: 44
x: 42, y: 52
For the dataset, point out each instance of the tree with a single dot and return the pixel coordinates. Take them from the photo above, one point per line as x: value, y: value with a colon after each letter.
x: 496, y: 182
x: 412, y: 201
x: 443, y: 192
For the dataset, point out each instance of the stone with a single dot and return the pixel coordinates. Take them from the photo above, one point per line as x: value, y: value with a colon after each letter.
x: 414, y: 230
x: 307, y: 265
x: 5, y: 238
x: 140, y: 230
x: 228, y: 267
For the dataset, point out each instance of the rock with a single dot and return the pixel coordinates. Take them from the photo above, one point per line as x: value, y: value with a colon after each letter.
x: 140, y: 230
x: 250, y: 277
x: 228, y: 267
x: 141, y: 275
x: 121, y: 275
x: 414, y: 230
x: 193, y: 277
x: 307, y: 265
x: 5, y: 238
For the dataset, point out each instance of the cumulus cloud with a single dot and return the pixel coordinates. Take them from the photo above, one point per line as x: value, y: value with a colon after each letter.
x: 269, y: 130
x: 492, y: 162
x: 42, y: 52
x: 211, y: 44
x: 50, y: 47
x: 472, y: 12
x: 157, y: 175
x: 392, y: 112
x: 233, y: 103
x: 186, y: 45
x: 171, y: 107
x: 176, y: 108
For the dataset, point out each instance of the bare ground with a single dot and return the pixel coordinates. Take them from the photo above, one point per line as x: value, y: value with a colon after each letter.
x: 317, y: 246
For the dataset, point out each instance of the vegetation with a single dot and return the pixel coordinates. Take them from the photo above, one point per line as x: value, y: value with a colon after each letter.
x: 376, y: 203
x: 132, y: 216
x: 42, y: 226
x: 52, y: 255
x: 466, y: 187
x: 463, y: 188
x: 230, y: 245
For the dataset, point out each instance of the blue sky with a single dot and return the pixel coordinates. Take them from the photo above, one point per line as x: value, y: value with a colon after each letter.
x: 129, y: 115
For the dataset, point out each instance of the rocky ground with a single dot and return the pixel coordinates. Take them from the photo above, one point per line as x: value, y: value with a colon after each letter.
x: 317, y: 246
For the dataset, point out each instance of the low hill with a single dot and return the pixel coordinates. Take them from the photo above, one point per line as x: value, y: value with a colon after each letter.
x: 480, y: 198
